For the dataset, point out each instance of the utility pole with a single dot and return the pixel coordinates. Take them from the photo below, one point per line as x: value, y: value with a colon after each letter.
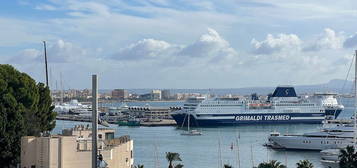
x: 94, y: 120
x: 44, y: 48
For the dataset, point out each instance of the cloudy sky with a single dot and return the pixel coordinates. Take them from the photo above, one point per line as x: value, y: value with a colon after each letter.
x: 180, y: 43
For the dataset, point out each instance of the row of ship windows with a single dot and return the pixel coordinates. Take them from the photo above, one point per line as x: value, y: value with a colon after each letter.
x: 219, y: 105
x: 294, y: 105
x: 190, y: 104
x: 323, y: 142
x: 276, y: 105
x: 225, y: 102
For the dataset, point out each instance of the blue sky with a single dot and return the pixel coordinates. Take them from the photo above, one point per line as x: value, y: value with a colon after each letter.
x: 180, y: 43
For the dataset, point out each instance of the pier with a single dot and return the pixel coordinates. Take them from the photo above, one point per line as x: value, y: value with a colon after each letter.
x: 114, y: 120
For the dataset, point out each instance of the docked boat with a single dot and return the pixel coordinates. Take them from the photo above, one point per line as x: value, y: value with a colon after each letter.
x: 70, y: 107
x: 330, y: 157
x: 335, y: 134
x: 326, y: 138
x: 283, y: 106
x: 190, y: 132
x: 130, y: 122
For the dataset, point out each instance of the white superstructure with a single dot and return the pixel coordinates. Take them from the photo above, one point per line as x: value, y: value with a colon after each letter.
x: 283, y: 106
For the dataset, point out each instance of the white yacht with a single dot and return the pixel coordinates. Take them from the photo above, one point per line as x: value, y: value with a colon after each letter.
x: 330, y: 157
x: 334, y: 135
x: 70, y: 106
x: 327, y: 138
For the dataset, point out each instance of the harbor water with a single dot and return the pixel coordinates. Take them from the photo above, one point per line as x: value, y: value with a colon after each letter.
x: 217, y: 144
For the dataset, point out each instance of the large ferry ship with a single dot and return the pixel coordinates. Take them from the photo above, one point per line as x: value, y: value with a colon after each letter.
x: 283, y: 106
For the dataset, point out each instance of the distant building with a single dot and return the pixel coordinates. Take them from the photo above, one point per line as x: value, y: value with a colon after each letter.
x: 166, y: 94
x: 120, y: 94
x: 150, y: 112
x: 73, y: 149
x: 156, y: 94
x: 147, y: 96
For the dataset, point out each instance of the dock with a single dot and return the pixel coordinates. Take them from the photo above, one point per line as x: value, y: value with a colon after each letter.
x: 112, y: 120
x: 164, y: 122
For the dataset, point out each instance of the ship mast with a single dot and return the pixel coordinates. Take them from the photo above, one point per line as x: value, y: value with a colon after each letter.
x: 355, y: 110
x: 45, y: 52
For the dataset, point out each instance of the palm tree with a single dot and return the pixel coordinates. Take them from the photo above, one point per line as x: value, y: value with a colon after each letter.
x: 271, y: 164
x: 139, y: 166
x: 227, y: 166
x: 304, y: 164
x: 348, y: 157
x: 179, y: 166
x: 171, y: 157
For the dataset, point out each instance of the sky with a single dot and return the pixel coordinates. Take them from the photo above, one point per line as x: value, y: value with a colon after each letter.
x: 180, y: 43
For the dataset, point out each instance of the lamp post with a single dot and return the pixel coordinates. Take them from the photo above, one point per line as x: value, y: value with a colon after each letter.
x: 94, y: 120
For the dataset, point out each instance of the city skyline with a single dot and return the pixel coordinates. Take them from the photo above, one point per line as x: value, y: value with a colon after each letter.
x: 180, y: 44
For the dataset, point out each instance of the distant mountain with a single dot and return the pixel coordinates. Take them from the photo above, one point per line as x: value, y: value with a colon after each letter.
x: 335, y: 85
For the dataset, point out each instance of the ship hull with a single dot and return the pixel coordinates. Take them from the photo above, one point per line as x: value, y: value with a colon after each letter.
x: 257, y: 118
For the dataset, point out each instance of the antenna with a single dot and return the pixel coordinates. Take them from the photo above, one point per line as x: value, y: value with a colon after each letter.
x: 44, y: 48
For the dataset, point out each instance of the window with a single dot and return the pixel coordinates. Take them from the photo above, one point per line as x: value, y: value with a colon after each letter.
x: 100, y: 136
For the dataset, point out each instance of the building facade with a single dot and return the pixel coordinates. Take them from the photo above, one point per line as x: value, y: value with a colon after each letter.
x: 166, y: 94
x: 149, y: 112
x: 120, y: 94
x: 156, y: 95
x: 73, y: 148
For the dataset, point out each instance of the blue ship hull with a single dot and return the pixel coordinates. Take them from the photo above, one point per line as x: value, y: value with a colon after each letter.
x: 262, y: 118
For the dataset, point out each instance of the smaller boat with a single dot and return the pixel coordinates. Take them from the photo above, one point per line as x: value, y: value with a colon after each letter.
x: 131, y: 122
x: 190, y: 132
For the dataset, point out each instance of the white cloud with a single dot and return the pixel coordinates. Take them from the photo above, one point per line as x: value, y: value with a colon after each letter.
x: 45, y: 7
x: 328, y: 40
x: 165, y: 51
x: 63, y: 51
x: 145, y: 49
x: 351, y: 41
x: 92, y: 7
x: 26, y: 56
x: 209, y: 45
x: 283, y: 42
x: 57, y: 52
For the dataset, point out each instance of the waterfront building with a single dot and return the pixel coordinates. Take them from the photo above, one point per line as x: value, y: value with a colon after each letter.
x: 73, y: 149
x: 120, y: 94
x: 144, y: 97
x: 166, y: 94
x: 156, y: 95
x: 149, y: 112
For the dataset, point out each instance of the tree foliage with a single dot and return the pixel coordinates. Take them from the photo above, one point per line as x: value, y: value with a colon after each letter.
x: 139, y: 166
x: 348, y: 157
x: 227, y: 166
x: 171, y: 157
x: 25, y: 109
x: 271, y: 164
x: 304, y: 164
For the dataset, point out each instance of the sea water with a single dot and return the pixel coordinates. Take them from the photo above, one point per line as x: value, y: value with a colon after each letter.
x: 217, y: 145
